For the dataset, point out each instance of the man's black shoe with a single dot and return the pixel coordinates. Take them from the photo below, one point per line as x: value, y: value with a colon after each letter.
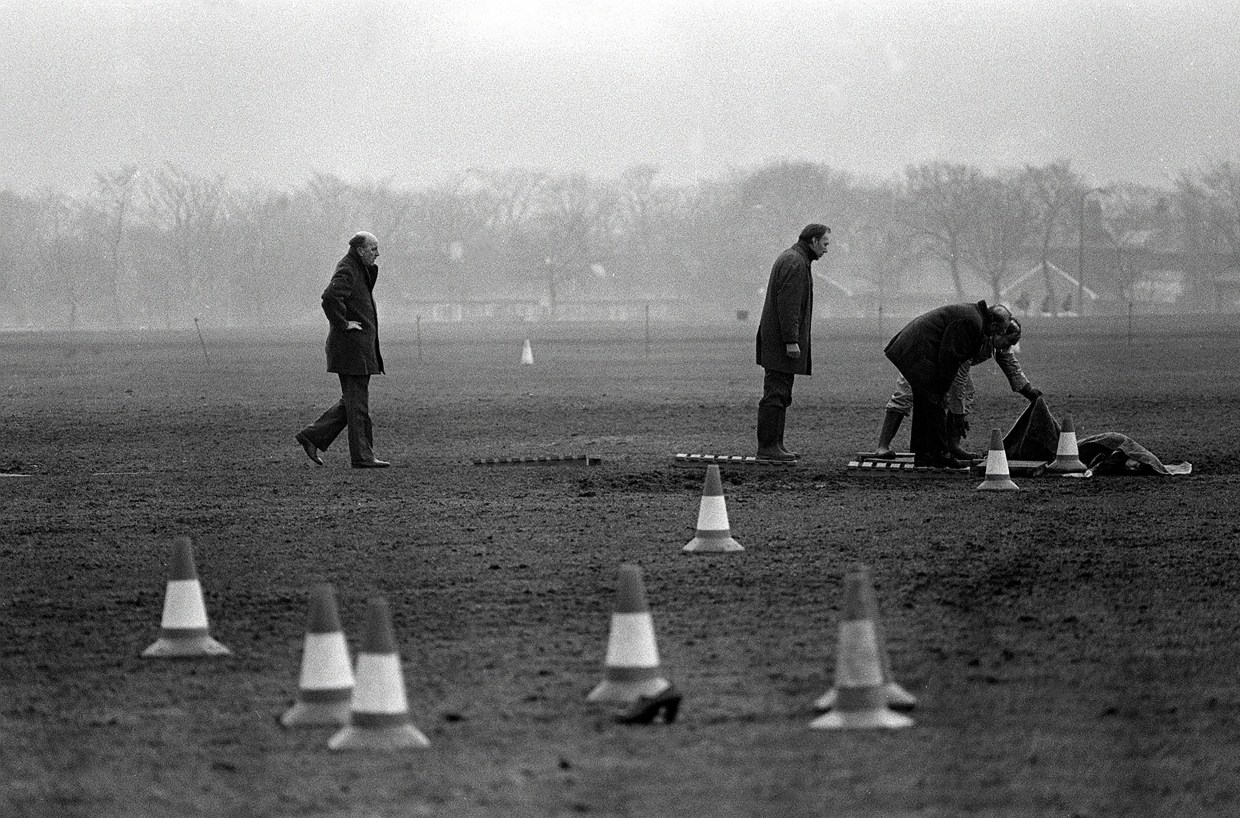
x: 311, y: 450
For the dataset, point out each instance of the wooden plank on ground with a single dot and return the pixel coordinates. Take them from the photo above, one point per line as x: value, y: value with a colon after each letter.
x: 543, y: 460
x: 687, y: 460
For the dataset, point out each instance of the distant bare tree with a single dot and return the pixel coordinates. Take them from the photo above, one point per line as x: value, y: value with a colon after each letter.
x: 947, y: 197
x: 1210, y: 200
x: 1053, y: 192
x: 643, y: 218
x: 189, y: 213
x: 59, y: 254
x: 575, y: 226
x: 452, y: 222
x: 1135, y: 218
x: 887, y: 245
x: 1001, y: 231
x: 332, y: 212
x: 20, y: 288
x: 263, y: 260
x: 114, y: 196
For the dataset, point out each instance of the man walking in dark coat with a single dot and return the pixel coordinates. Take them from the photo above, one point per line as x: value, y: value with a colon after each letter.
x: 352, y: 353
x: 929, y: 352
x: 783, y: 336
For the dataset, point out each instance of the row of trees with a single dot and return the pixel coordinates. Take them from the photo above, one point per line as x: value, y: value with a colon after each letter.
x: 157, y: 247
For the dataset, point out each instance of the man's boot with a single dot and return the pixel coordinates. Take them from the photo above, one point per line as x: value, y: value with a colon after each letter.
x: 956, y: 427
x: 769, y: 421
x: 959, y: 452
x: 783, y: 418
x: 891, y: 424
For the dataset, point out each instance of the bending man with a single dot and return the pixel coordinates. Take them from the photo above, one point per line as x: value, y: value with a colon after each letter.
x: 929, y: 352
x: 960, y: 398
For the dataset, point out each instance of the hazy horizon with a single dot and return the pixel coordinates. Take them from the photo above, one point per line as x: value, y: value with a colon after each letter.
x: 268, y: 93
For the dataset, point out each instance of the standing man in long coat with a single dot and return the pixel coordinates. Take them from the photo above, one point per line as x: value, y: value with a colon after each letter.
x: 929, y: 352
x: 783, y: 343
x: 352, y: 353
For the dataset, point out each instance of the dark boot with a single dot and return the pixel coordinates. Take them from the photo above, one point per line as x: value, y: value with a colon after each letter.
x: 938, y: 460
x: 957, y: 428
x: 783, y: 418
x: 891, y: 424
x: 770, y: 420
x: 959, y: 452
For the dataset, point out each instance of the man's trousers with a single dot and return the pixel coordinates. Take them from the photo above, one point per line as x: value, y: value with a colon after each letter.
x: 351, y: 411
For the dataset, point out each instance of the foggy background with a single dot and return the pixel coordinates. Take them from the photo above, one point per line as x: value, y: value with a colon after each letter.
x: 169, y: 160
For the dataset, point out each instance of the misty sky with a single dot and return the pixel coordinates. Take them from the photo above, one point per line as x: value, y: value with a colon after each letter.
x: 416, y: 92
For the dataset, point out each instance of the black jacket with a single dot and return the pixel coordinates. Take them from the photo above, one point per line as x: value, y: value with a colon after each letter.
x: 788, y: 312
x: 349, y: 297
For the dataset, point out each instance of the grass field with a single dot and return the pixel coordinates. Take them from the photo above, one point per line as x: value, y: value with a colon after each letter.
x: 1073, y: 645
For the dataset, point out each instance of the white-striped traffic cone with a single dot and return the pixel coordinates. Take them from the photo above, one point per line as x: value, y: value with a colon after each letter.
x: 379, y: 714
x: 860, y: 692
x: 998, y: 477
x: 325, y: 686
x: 631, y: 669
x: 897, y: 697
x: 713, y: 532
x: 183, y: 629
x: 527, y: 353
x: 1067, y: 453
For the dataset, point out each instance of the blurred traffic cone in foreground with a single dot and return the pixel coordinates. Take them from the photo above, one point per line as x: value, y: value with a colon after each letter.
x: 183, y: 630
x: 897, y: 697
x: 325, y: 685
x: 380, y: 712
x: 998, y: 478
x: 631, y: 669
x: 527, y: 353
x: 1067, y: 454
x: 860, y: 689
x: 713, y: 533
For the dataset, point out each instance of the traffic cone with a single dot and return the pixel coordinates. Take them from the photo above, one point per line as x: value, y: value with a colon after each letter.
x: 325, y: 686
x: 998, y: 478
x: 379, y: 712
x: 713, y: 533
x: 527, y: 353
x: 183, y: 630
x: 897, y: 697
x: 1067, y: 455
x: 860, y: 690
x: 631, y: 669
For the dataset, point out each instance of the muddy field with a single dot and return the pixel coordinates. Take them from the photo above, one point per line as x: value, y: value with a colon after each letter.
x: 1074, y: 645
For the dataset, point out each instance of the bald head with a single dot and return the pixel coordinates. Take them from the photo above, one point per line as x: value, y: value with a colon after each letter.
x: 361, y: 237
x: 366, y: 246
x: 998, y: 319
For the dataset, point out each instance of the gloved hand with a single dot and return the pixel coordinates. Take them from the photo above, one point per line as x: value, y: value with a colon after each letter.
x: 1031, y: 392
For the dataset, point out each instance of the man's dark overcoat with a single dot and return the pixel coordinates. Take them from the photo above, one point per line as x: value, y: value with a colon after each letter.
x: 931, y: 347
x: 349, y: 297
x: 788, y: 312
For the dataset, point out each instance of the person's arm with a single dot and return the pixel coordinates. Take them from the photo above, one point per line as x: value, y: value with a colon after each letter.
x: 961, y: 379
x: 1010, y: 364
x: 335, y: 297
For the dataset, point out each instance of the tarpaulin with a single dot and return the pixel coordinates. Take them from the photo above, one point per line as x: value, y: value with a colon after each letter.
x: 1114, y: 453
x: 1035, y: 436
